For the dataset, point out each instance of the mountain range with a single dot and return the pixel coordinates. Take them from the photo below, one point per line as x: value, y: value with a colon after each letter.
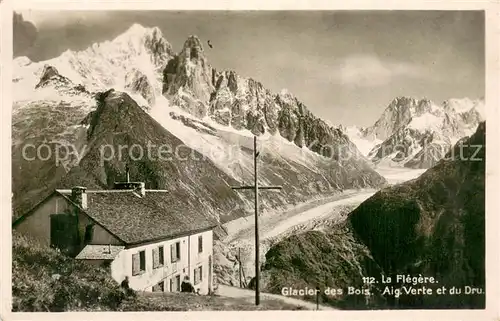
x: 135, y: 89
x: 135, y: 93
x: 417, y: 133
x: 433, y: 225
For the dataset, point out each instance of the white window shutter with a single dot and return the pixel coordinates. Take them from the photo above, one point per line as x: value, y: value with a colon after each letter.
x: 173, y: 254
x: 135, y: 264
x: 198, y: 277
x: 156, y: 258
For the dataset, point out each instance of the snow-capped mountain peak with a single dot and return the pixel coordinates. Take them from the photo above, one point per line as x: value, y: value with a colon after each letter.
x: 286, y: 96
x: 285, y: 92
x: 363, y: 143
x: 135, y: 31
x: 103, y: 65
x: 193, y: 42
x: 208, y: 111
x: 466, y: 105
x: 418, y: 132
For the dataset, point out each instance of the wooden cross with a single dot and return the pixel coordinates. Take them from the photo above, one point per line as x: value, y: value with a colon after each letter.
x: 256, y: 188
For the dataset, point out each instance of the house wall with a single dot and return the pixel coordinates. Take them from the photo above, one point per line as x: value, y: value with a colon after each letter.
x: 37, y: 225
x: 99, y: 236
x: 99, y: 263
x: 189, y: 260
x: 202, y: 259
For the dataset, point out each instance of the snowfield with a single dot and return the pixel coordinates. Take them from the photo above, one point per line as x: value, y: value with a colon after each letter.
x: 364, y: 144
x: 397, y: 175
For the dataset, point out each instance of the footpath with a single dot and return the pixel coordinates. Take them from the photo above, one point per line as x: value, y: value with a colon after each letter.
x: 235, y: 292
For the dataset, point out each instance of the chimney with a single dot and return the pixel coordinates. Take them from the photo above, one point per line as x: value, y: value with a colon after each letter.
x: 79, y: 196
x: 138, y: 187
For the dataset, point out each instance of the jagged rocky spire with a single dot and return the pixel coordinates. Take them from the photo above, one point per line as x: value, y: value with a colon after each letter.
x: 190, y: 72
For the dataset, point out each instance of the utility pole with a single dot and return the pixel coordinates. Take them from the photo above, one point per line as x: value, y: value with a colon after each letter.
x: 255, y: 187
x: 317, y: 298
x: 239, y: 266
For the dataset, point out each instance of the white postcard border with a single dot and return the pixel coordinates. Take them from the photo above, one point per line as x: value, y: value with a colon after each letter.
x: 492, y: 163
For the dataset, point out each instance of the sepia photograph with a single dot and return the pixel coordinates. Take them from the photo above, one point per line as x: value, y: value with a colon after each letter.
x: 210, y: 160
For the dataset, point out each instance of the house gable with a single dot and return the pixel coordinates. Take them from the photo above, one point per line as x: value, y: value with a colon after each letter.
x: 101, y: 234
x: 37, y: 222
x: 59, y: 222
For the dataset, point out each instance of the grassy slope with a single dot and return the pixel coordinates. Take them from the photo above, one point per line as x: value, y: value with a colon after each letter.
x: 329, y: 260
x: 84, y: 287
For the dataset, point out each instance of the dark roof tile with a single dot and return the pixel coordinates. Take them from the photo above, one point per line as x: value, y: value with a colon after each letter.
x: 156, y: 215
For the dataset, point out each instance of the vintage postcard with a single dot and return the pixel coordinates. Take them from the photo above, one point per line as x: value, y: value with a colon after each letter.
x: 202, y: 159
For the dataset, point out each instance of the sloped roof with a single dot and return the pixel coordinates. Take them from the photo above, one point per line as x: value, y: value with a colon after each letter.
x: 135, y: 219
x: 99, y: 252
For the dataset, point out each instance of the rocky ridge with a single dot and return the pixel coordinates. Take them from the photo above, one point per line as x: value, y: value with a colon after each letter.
x: 244, y: 103
x: 179, y: 91
x: 432, y: 226
x: 417, y: 133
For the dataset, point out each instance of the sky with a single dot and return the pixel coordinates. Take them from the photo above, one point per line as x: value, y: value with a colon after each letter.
x: 346, y: 66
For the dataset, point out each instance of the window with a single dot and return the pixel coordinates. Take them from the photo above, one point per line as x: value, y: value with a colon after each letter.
x: 138, y: 263
x: 162, y: 252
x: 159, y: 287
x: 158, y: 257
x: 200, y: 244
x: 142, y: 256
x: 198, y: 275
x: 89, y: 232
x: 175, y: 251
